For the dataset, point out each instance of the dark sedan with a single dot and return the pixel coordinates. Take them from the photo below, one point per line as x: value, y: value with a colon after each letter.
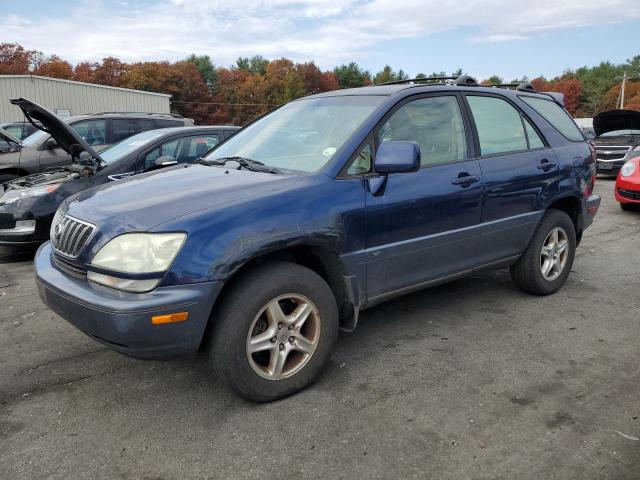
x: 28, y: 204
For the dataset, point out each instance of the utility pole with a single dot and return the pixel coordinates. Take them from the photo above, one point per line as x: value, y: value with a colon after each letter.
x: 624, y: 81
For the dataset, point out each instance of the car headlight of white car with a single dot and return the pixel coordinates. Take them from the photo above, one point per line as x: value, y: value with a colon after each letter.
x: 14, y: 195
x: 628, y: 169
x: 135, y: 262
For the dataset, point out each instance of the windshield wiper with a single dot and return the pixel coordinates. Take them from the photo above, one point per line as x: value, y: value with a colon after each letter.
x: 243, y: 162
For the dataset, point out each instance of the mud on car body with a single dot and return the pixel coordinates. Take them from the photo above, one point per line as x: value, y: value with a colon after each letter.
x: 332, y: 203
x: 28, y: 204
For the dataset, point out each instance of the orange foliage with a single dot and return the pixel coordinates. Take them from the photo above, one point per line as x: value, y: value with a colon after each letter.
x: 611, y: 99
x: 569, y: 86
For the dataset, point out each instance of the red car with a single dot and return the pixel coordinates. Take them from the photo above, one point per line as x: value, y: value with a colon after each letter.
x: 628, y: 185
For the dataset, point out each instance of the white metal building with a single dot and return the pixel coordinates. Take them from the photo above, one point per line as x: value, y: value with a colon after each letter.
x: 68, y: 98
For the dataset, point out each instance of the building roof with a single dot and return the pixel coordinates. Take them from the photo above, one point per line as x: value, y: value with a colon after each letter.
x: 85, y: 84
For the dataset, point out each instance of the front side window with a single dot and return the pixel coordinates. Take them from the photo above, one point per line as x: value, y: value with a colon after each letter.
x: 362, y: 162
x: 556, y: 116
x: 94, y: 132
x: 301, y: 136
x: 499, y: 125
x: 434, y: 123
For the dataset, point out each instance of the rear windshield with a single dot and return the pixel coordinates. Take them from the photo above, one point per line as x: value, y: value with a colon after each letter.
x: 556, y: 116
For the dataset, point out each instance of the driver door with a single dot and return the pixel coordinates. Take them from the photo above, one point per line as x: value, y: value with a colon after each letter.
x: 423, y: 227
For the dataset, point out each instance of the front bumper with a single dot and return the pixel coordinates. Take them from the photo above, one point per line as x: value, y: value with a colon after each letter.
x: 122, y: 320
x: 609, y: 167
x: 628, y: 189
x: 10, y: 232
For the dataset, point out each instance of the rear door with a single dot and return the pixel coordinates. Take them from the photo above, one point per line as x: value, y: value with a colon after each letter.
x: 423, y: 226
x: 519, y: 171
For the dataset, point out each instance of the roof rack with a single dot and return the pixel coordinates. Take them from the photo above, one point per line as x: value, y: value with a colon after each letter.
x: 521, y: 87
x: 462, y: 80
x: 155, y: 114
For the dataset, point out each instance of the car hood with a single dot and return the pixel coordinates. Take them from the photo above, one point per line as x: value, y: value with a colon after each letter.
x: 616, y: 120
x: 147, y: 200
x: 67, y: 137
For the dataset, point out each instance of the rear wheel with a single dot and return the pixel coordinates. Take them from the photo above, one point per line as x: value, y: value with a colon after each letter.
x: 546, y: 263
x: 5, y: 177
x: 274, y: 331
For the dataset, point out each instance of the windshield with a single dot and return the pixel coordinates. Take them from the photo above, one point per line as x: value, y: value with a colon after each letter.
x: 620, y: 133
x: 35, y: 139
x: 118, y: 150
x: 302, y: 135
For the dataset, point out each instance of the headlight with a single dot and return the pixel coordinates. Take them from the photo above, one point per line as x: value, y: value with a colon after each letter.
x: 628, y: 169
x: 136, y: 253
x: 13, y: 195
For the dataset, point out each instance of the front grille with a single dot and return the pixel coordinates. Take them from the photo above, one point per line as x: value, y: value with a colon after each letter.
x: 69, y: 235
x: 612, y: 152
x: 630, y: 194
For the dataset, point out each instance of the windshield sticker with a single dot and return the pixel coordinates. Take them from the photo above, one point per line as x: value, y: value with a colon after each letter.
x: 327, y: 152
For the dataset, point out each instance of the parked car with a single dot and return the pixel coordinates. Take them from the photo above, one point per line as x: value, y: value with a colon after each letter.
x: 328, y: 205
x: 627, y: 190
x: 28, y: 204
x: 19, y: 130
x: 39, y: 151
x: 618, y: 139
x: 8, y: 143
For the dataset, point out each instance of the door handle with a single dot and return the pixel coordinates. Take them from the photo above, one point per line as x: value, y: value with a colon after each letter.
x: 546, y: 165
x: 464, y: 179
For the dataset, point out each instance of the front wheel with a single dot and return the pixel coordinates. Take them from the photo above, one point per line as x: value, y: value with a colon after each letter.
x: 546, y: 263
x: 274, y: 331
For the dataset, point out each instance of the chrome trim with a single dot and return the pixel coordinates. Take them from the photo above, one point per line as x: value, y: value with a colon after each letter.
x: 73, y: 237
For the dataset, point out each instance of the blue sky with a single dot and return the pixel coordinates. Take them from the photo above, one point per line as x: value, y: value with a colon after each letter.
x: 482, y: 37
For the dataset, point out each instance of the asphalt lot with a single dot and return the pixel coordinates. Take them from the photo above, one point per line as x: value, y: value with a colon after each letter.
x: 468, y: 380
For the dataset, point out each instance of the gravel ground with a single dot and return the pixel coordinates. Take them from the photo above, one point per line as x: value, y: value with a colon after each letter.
x: 473, y: 379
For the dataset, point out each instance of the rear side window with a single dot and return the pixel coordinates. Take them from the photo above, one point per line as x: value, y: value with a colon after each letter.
x: 126, y: 127
x: 556, y: 116
x: 162, y: 123
x: 94, y: 132
x: 499, y: 125
x: 534, y: 139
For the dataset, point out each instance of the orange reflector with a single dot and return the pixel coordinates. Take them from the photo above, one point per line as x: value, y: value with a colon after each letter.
x: 171, y: 318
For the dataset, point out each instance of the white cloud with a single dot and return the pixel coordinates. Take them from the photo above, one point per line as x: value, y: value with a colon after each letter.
x: 328, y: 31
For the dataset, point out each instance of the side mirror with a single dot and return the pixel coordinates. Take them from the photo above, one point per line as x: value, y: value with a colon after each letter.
x: 50, y: 144
x: 165, y: 161
x: 397, y: 157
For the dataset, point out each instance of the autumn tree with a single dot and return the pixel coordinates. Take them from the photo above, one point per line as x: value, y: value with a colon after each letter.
x: 14, y: 59
x: 611, y: 99
x: 110, y: 72
x: 569, y: 86
x: 315, y: 80
x: 55, y: 67
x: 283, y: 82
x: 84, y: 72
x: 351, y: 76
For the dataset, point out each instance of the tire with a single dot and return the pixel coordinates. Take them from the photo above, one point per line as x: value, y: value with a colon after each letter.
x: 529, y: 272
x: 287, y: 288
x: 628, y: 207
x: 6, y: 177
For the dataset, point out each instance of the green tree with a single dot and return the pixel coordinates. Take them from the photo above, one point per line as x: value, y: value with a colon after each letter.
x: 351, y: 76
x: 493, y: 80
x: 256, y: 65
x: 206, y: 67
x: 388, y: 75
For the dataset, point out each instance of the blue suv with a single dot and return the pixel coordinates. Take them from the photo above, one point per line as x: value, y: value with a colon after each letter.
x: 261, y: 251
